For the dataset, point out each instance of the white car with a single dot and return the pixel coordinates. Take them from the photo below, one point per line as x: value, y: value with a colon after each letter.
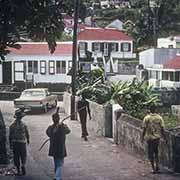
x: 36, y: 98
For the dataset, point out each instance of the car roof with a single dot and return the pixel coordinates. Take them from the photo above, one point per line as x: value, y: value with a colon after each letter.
x: 36, y: 89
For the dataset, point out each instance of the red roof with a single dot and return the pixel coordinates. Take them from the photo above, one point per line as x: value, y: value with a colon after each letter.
x: 173, y: 63
x: 41, y: 48
x: 102, y: 34
x: 66, y: 16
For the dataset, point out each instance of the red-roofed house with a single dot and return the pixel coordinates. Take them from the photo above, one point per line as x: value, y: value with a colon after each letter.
x: 166, y: 75
x: 33, y: 62
x: 108, y: 46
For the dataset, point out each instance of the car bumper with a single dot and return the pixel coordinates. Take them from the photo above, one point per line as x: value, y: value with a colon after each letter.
x: 28, y: 106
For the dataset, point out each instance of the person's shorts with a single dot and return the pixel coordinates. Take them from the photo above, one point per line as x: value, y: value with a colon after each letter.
x: 152, y: 148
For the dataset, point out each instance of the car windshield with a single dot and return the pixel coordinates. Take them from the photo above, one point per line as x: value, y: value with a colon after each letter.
x: 32, y: 93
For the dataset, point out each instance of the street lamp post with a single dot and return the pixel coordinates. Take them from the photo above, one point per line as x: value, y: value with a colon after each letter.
x: 154, y: 5
x: 74, y: 59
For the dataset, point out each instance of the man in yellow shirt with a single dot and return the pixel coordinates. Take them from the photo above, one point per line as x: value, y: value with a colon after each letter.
x: 153, y: 128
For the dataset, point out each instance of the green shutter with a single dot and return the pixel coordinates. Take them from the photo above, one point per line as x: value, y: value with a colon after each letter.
x: 117, y: 46
x: 92, y: 46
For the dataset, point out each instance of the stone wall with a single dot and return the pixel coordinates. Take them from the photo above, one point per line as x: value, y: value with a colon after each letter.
x: 175, y: 109
x: 9, y: 95
x: 168, y: 96
x: 129, y: 135
x: 101, y: 122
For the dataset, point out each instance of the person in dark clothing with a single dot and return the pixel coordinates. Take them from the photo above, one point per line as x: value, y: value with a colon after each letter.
x: 83, y: 108
x: 18, y: 136
x: 57, y: 149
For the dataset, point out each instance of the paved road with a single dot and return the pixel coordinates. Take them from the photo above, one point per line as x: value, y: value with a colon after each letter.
x: 97, y: 159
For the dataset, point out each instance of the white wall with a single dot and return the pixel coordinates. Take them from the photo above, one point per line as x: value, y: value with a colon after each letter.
x: 1, y: 73
x: 43, y: 78
x: 165, y: 43
x: 157, y: 56
x: 146, y: 58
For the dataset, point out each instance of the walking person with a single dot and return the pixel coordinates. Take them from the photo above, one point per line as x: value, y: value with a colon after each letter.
x: 18, y: 136
x: 153, y: 129
x: 83, y: 108
x: 57, y: 149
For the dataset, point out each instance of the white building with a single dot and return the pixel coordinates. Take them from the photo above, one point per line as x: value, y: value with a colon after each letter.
x: 108, y: 47
x: 169, y: 42
x: 33, y: 62
x: 117, y: 24
x: 166, y: 75
x: 158, y: 56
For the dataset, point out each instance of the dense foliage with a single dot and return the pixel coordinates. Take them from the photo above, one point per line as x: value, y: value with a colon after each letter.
x: 141, y: 16
x: 38, y: 20
x: 135, y: 97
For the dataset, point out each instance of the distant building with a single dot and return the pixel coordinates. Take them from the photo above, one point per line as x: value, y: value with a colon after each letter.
x: 161, y: 67
x: 151, y: 57
x: 69, y: 25
x: 169, y: 42
x: 117, y: 24
x: 33, y: 62
x: 166, y: 75
x: 107, y: 46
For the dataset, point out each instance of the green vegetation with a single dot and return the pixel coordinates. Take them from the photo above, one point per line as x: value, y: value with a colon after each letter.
x: 141, y: 16
x: 135, y: 97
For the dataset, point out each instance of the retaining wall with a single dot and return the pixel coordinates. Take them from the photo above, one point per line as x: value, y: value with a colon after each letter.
x: 129, y: 135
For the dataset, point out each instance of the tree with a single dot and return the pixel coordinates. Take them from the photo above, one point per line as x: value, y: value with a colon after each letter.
x: 69, y: 8
x: 39, y: 20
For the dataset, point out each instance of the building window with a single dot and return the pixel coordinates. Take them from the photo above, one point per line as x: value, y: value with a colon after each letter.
x: 30, y: 66
x: 164, y: 75
x: 43, y: 67
x: 96, y: 47
x: 51, y: 67
x: 69, y: 65
x: 114, y: 47
x: 33, y: 67
x: 170, y: 46
x: 177, y: 44
x: 125, y: 47
x: 60, y: 67
x: 82, y: 46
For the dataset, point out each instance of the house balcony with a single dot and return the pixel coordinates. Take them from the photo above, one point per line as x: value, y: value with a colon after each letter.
x: 115, y: 55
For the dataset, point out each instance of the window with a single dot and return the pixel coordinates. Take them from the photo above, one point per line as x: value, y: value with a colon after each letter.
x: 69, y: 65
x: 114, y: 47
x: 51, y: 67
x: 170, y: 46
x: 32, y: 66
x: 43, y: 67
x: 164, y: 75
x: 82, y: 46
x: 177, y: 44
x: 96, y: 47
x: 60, y: 67
x: 125, y: 47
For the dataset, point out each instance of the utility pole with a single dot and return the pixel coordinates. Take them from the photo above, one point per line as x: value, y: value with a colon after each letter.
x: 155, y: 5
x: 74, y: 59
